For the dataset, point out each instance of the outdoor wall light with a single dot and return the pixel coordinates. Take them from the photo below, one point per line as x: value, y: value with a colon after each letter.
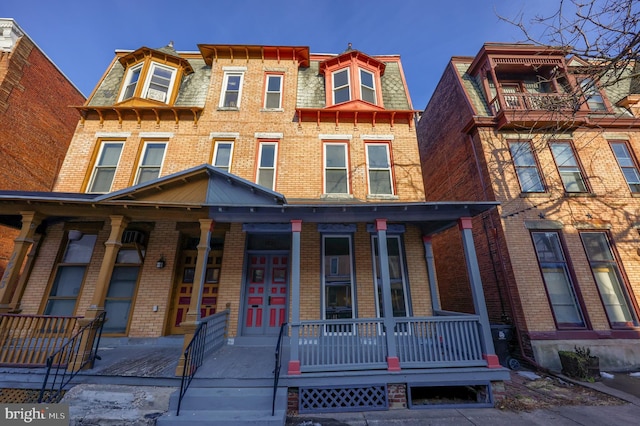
x: 160, y: 263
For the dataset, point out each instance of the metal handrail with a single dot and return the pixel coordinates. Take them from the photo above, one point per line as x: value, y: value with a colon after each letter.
x: 197, y: 349
x: 69, y: 355
x: 276, y: 370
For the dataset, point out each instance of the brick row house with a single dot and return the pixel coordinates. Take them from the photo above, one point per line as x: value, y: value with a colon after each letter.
x: 268, y: 182
x: 31, y: 150
x: 531, y: 129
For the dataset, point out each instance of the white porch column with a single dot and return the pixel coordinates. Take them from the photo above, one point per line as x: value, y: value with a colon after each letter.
x: 393, y: 362
x: 294, y: 360
x: 479, y: 303
x: 431, y: 273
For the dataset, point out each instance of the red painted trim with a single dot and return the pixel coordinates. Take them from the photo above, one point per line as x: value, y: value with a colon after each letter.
x: 294, y: 368
x: 492, y: 361
x: 465, y: 223
x: 426, y: 239
x: 296, y: 225
x: 393, y: 363
x: 381, y: 224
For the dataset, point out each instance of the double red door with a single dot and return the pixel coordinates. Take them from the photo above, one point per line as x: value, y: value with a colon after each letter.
x: 266, y: 294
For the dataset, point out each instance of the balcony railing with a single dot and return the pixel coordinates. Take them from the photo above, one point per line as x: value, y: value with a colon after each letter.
x: 534, y: 102
x: 27, y: 340
x: 428, y: 342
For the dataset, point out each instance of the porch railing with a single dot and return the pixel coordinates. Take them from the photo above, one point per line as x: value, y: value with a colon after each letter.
x: 427, y: 342
x: 27, y: 340
x: 70, y: 358
x: 276, y: 369
x: 209, y: 336
x: 342, y: 345
x: 535, y: 102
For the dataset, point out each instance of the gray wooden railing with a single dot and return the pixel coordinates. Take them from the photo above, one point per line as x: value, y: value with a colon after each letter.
x: 427, y: 342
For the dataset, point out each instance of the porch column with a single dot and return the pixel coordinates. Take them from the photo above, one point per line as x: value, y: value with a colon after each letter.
x: 22, y: 243
x: 26, y: 273
x: 192, y: 318
x: 431, y: 273
x: 393, y: 362
x: 477, y: 292
x: 294, y: 360
x: 112, y: 245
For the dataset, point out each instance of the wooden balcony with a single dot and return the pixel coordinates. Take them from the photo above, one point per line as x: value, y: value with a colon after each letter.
x: 533, y: 110
x: 27, y: 340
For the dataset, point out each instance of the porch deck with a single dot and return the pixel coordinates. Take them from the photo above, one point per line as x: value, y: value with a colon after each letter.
x: 153, y: 362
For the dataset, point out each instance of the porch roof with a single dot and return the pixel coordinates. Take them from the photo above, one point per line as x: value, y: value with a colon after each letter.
x: 207, y: 192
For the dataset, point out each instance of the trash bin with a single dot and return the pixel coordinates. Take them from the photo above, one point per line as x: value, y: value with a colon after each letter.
x: 502, y: 335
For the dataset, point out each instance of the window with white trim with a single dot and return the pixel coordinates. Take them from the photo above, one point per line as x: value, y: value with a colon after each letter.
x: 131, y: 82
x: 557, y: 279
x: 341, y: 89
x: 526, y: 167
x: 592, y: 94
x: 337, y: 277
x: 379, y: 169
x: 231, y: 90
x: 568, y: 167
x: 398, y: 282
x: 367, y: 86
x: 266, y: 174
x: 273, y: 91
x: 336, y: 176
x: 105, y: 167
x: 150, y: 162
x: 159, y: 83
x: 222, y: 153
x: 608, y: 277
x: 627, y: 164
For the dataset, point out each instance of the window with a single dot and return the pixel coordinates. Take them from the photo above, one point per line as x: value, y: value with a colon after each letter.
x: 122, y: 287
x: 69, y: 276
x: 592, y: 95
x: 160, y: 82
x: 367, y: 86
x: 568, y: 167
x: 337, y: 276
x: 399, y: 302
x: 133, y: 76
x: 526, y: 167
x: 222, y: 155
x: 379, y: 169
x: 105, y: 167
x: 341, y: 90
x: 267, y: 164
x: 231, y: 90
x: 608, y: 278
x: 555, y: 274
x: 627, y: 164
x: 273, y: 94
x: 151, y: 162
x: 336, y: 178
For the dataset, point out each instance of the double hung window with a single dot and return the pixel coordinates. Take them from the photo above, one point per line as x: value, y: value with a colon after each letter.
x: 526, y: 167
x: 341, y: 88
x: 222, y: 153
x: 608, y: 279
x: 337, y: 266
x: 151, y: 161
x: 266, y: 174
x: 379, y: 169
x: 273, y: 92
x: 594, y: 98
x: 570, y: 172
x: 105, y: 167
x: 231, y: 90
x: 133, y: 76
x: 557, y: 280
x: 367, y: 86
x: 627, y: 165
x: 336, y: 177
x: 160, y: 82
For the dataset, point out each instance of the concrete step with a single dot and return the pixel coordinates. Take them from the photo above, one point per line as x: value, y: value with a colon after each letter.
x: 227, y: 406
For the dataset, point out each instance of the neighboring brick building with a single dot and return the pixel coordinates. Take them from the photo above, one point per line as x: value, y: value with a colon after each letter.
x: 263, y: 178
x: 36, y: 123
x: 559, y: 257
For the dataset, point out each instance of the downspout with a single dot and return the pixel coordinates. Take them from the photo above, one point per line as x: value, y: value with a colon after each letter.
x: 501, y: 262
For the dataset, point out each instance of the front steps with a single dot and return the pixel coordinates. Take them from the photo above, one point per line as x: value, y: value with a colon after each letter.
x: 227, y: 406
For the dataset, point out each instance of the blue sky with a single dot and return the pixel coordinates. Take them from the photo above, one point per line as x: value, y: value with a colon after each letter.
x: 82, y: 36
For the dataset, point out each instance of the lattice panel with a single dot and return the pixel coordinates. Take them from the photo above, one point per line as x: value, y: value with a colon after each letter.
x: 326, y: 399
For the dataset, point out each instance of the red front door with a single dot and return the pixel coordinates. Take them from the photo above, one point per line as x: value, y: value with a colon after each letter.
x: 266, y: 294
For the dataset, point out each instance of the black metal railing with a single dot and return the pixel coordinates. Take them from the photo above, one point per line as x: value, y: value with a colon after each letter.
x: 209, y: 336
x: 276, y: 370
x: 64, y: 364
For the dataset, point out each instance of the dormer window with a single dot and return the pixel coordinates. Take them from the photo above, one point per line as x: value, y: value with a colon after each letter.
x: 132, y: 82
x: 157, y: 86
x: 341, y: 89
x: 367, y: 86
